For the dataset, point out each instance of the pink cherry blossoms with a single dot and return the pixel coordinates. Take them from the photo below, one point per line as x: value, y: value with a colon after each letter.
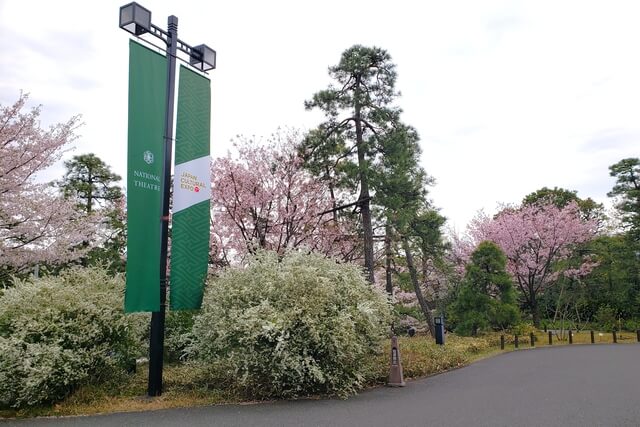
x: 534, y: 238
x: 36, y: 224
x: 263, y: 198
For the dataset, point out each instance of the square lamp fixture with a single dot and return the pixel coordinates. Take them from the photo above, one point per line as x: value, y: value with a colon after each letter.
x: 135, y: 19
x: 203, y: 58
x: 438, y: 320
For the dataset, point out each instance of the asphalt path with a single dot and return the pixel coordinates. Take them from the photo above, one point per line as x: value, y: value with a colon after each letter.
x: 579, y: 385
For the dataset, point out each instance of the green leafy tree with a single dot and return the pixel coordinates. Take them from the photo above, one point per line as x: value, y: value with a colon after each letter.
x: 90, y: 181
x: 411, y: 223
x: 111, y: 250
x: 93, y: 185
x: 487, y: 297
x: 359, y: 116
x: 613, y: 283
x: 627, y: 189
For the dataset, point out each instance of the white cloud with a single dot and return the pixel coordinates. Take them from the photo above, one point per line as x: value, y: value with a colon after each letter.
x: 507, y: 96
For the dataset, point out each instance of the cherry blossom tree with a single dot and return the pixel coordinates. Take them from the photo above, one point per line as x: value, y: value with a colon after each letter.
x: 535, y: 238
x: 37, y: 225
x: 264, y: 198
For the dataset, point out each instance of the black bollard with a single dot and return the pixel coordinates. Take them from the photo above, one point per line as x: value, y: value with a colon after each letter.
x: 532, y: 338
x: 439, y: 325
x: 615, y: 337
x: 570, y: 336
x: 593, y: 338
x: 550, y: 338
x: 545, y: 327
x: 501, y: 342
x: 638, y: 334
x: 515, y: 342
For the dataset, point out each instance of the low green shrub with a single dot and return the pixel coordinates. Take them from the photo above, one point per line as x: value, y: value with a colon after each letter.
x: 521, y: 329
x: 178, y: 334
x: 631, y: 324
x: 297, y: 325
x: 59, y: 332
x: 400, y: 311
x: 606, y: 318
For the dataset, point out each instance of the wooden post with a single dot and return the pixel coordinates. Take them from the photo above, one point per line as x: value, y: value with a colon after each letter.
x: 550, y: 338
x: 502, y: 341
x: 593, y: 338
x: 515, y: 342
x: 532, y: 338
x: 638, y: 334
x: 615, y: 337
x: 570, y: 336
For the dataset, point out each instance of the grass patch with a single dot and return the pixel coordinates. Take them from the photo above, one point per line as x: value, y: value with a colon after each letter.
x: 422, y: 357
x: 184, y: 387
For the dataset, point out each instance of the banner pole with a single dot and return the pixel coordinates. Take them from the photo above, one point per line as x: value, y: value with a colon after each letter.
x: 156, y: 340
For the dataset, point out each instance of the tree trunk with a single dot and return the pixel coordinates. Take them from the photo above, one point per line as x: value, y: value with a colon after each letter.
x: 388, y: 255
x: 364, y: 198
x: 334, y: 205
x: 90, y: 193
x: 533, y: 302
x: 424, y: 305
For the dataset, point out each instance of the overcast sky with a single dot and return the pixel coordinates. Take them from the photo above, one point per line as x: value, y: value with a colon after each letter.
x: 507, y: 96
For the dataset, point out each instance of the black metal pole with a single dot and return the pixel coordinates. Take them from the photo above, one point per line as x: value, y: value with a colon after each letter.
x: 593, y: 338
x: 570, y: 336
x: 156, y: 341
x: 501, y: 342
x: 515, y: 341
x: 550, y: 338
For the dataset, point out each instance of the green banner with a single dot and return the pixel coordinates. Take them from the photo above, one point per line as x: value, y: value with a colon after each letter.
x: 191, y: 192
x: 147, y: 92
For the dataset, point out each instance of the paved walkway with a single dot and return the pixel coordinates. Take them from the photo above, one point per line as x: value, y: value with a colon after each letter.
x: 579, y: 385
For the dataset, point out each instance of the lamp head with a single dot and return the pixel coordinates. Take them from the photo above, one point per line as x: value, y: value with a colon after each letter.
x: 135, y: 19
x: 203, y: 58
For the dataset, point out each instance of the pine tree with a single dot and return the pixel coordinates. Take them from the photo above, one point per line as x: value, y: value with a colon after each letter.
x: 90, y: 181
x: 487, y: 297
x: 359, y: 115
x: 627, y: 188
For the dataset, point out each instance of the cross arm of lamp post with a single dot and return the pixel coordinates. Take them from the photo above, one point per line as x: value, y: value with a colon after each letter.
x: 136, y: 19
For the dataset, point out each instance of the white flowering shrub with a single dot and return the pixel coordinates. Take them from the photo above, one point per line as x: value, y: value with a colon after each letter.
x: 299, y: 325
x: 59, y: 332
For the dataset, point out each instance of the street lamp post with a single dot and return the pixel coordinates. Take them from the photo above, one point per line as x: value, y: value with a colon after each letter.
x: 137, y: 20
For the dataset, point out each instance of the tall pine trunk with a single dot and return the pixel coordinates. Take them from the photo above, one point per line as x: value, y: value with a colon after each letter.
x: 364, y: 198
x: 334, y: 204
x: 424, y: 305
x: 388, y: 255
